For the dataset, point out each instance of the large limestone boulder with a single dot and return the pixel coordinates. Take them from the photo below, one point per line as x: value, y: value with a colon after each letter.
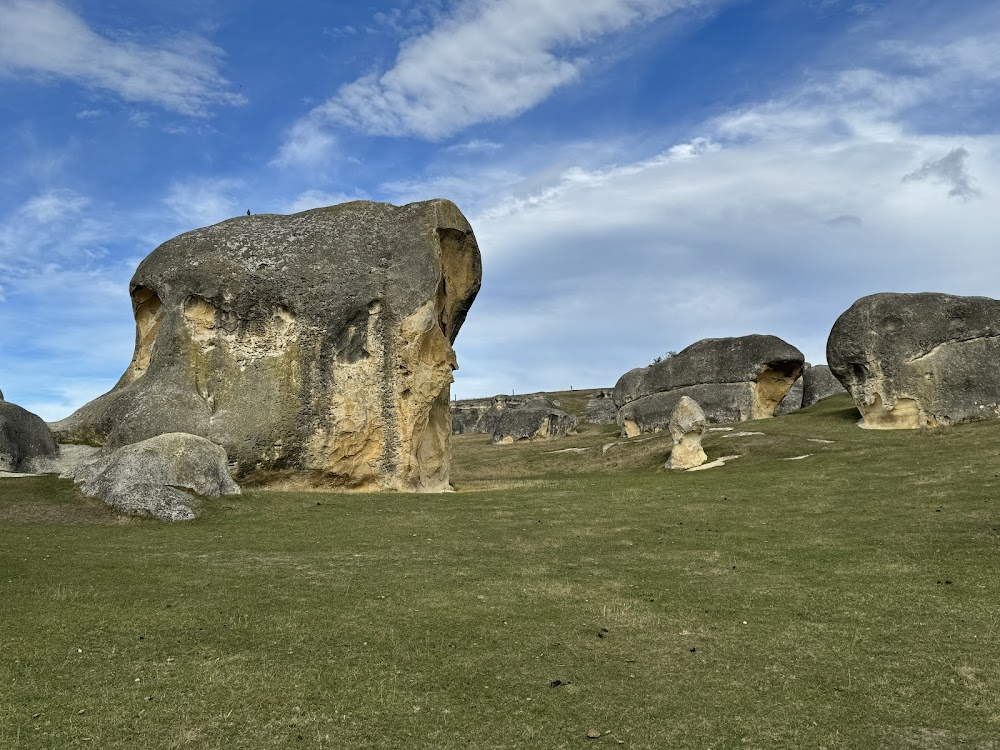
x: 915, y: 360
x: 601, y: 409
x: 732, y: 379
x: 26, y: 443
x: 536, y: 417
x: 818, y: 383
x: 315, y: 348
x: 466, y: 415
x: 149, y: 478
x: 687, y: 424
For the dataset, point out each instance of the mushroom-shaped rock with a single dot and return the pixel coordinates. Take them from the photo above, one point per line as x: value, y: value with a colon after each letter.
x: 601, y: 409
x: 818, y: 383
x: 315, y: 348
x: 148, y: 478
x: 687, y: 424
x: 26, y: 443
x: 732, y: 379
x: 532, y: 418
x: 916, y: 360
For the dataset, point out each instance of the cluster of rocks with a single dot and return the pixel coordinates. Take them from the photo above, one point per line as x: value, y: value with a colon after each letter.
x: 304, y: 351
x: 509, y: 419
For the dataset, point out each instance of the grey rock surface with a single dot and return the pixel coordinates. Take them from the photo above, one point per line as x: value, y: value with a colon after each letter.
x: 149, y: 478
x: 793, y: 399
x: 601, y: 408
x: 818, y: 383
x: 467, y: 415
x: 916, y: 360
x: 26, y: 443
x: 316, y: 348
x: 732, y: 379
x: 687, y: 424
x: 535, y: 417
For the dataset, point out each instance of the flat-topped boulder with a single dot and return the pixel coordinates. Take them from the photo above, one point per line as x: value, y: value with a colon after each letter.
x: 315, y: 348
x: 157, y: 477
x: 26, y: 443
x: 818, y: 383
x: 732, y: 379
x: 535, y: 417
x: 919, y: 360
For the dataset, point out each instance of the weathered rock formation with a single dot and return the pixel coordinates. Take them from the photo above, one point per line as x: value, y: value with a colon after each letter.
x: 914, y: 360
x: 26, y: 443
x: 687, y: 424
x: 466, y: 415
x: 732, y: 379
x: 315, y: 348
x: 792, y: 400
x: 149, y: 478
x: 601, y: 408
x: 536, y: 417
x: 817, y: 383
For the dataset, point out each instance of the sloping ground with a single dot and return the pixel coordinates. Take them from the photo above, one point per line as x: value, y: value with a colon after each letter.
x: 843, y: 600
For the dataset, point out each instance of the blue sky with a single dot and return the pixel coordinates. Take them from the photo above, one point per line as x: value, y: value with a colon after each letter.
x: 640, y: 173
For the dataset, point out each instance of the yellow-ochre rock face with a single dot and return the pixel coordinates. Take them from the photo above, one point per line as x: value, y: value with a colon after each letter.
x: 315, y: 348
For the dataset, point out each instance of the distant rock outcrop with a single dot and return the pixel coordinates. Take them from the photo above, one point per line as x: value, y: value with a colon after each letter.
x: 793, y: 399
x: 687, y: 424
x: 818, y: 383
x: 315, y: 348
x: 466, y: 415
x: 26, y: 443
x: 732, y: 379
x: 535, y: 417
x: 149, y: 478
x: 916, y: 360
x: 601, y: 408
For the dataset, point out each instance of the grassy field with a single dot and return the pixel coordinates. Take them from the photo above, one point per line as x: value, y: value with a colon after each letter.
x: 848, y: 599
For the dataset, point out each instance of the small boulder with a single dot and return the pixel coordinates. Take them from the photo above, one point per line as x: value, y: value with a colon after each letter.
x: 601, y: 408
x: 818, y: 383
x: 149, y: 478
x: 26, y: 443
x: 532, y: 418
x: 919, y: 360
x: 687, y: 424
x: 792, y: 400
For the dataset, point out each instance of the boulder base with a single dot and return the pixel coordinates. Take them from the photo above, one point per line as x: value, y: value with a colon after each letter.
x: 26, y: 443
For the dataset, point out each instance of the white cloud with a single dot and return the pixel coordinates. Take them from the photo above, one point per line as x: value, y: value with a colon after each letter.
x: 487, y: 60
x: 44, y: 38
x: 203, y: 201
x: 315, y: 199
x: 307, y: 144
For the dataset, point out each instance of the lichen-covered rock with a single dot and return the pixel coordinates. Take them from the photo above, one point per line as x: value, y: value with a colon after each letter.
x: 687, y: 424
x: 818, y: 383
x: 732, y: 379
x: 601, y: 408
x: 146, y: 478
x: 26, y: 443
x: 466, y: 415
x: 535, y: 417
x: 315, y: 348
x: 792, y: 400
x: 915, y: 360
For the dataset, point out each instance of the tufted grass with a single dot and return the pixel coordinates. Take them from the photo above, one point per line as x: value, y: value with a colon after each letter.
x: 845, y: 600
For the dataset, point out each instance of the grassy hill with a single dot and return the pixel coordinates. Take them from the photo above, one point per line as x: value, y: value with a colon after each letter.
x: 847, y: 599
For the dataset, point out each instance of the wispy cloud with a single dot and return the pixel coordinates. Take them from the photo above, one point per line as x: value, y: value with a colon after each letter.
x: 44, y: 38
x: 952, y: 170
x: 484, y: 61
x: 202, y: 201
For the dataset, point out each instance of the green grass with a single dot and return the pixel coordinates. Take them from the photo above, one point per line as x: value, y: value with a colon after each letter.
x: 764, y: 604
